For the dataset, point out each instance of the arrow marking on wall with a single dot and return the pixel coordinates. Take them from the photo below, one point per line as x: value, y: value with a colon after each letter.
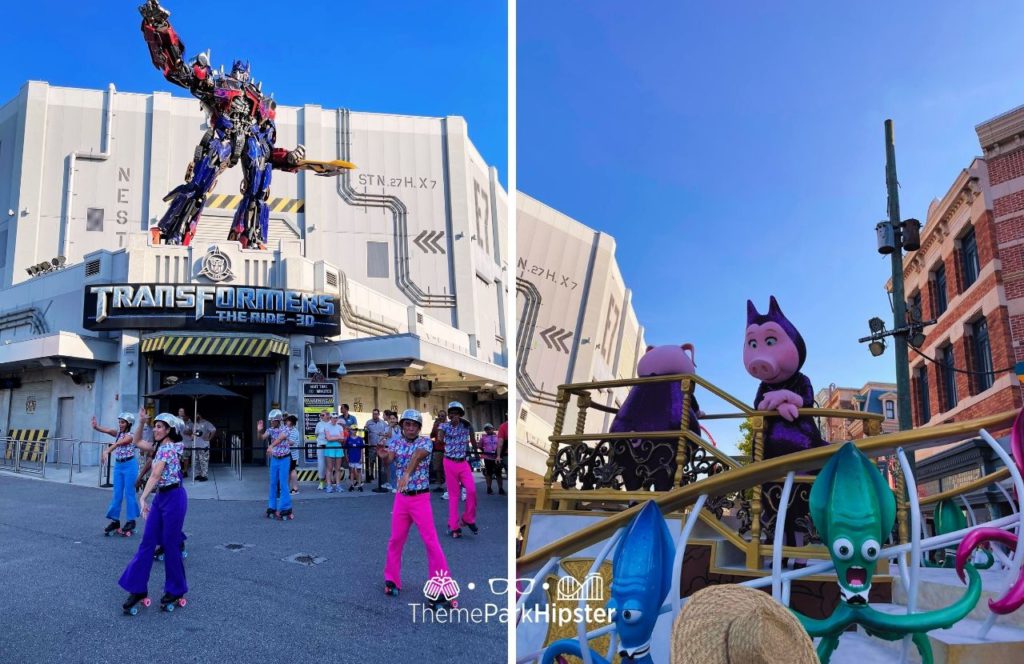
x: 555, y: 338
x: 429, y: 242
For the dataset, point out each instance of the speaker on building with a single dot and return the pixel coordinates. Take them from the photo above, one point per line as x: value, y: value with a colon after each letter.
x: 420, y: 387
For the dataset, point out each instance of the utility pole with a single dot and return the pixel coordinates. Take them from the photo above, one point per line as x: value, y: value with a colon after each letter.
x: 899, y: 309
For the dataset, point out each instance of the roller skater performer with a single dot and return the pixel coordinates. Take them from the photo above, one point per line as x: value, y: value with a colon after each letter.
x: 410, y: 456
x: 457, y: 434
x: 490, y: 450
x: 279, y: 500
x: 164, y: 519
x: 126, y: 469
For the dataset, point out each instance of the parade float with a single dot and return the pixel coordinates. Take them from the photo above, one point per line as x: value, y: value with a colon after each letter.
x: 835, y: 532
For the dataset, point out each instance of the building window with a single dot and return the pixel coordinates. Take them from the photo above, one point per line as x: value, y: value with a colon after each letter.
x: 94, y: 219
x: 982, y: 355
x: 969, y: 256
x: 948, y: 378
x: 890, y: 410
x: 924, y: 408
x: 914, y: 305
x: 377, y: 260
x: 940, y: 290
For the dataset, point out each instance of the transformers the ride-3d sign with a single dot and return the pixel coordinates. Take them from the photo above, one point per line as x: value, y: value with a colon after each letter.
x: 210, y: 307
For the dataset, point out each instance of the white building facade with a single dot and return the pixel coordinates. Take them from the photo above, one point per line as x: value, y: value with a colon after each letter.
x: 576, y: 324
x: 395, y: 273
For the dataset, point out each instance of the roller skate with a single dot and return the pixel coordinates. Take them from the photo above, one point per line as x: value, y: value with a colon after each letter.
x: 159, y: 554
x: 471, y: 526
x: 113, y: 526
x: 131, y: 605
x: 455, y: 534
x: 169, y: 601
x: 390, y: 589
x: 271, y: 513
x: 441, y: 602
x: 127, y: 529
x: 286, y: 515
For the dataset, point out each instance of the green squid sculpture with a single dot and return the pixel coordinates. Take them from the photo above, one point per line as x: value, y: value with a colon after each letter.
x: 854, y: 511
x: 950, y: 518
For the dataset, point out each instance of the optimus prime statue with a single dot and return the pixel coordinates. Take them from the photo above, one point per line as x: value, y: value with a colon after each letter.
x: 241, y: 128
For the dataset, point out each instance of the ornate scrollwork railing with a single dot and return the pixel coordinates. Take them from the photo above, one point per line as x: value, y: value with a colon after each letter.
x: 608, y: 469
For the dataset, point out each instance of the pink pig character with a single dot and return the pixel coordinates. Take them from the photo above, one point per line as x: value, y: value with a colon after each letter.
x: 643, y: 463
x: 773, y: 352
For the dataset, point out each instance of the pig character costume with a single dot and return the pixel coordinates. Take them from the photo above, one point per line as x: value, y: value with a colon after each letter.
x: 654, y: 407
x: 774, y: 351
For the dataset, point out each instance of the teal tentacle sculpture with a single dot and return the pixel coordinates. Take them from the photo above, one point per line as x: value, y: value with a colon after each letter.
x: 854, y: 511
x: 949, y: 518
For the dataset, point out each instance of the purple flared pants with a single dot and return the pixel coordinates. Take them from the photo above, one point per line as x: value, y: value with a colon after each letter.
x: 164, y: 528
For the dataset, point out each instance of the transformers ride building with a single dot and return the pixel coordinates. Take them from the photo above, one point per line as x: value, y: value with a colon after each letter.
x: 390, y: 279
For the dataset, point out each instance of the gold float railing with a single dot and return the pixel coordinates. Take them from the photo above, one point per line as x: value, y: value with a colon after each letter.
x: 968, y: 487
x: 734, y: 479
x: 551, y: 496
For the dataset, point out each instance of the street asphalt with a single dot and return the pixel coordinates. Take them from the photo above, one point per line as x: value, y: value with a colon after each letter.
x: 60, y: 602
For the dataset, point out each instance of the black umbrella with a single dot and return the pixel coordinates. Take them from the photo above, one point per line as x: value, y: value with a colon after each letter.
x: 195, y: 388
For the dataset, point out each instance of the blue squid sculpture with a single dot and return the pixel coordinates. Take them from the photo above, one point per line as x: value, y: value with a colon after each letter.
x: 641, y: 580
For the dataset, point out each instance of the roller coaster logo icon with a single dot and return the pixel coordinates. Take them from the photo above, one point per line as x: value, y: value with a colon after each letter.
x: 590, y: 589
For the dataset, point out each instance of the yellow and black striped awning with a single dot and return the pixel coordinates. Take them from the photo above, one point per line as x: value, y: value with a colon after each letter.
x: 184, y: 344
x: 231, y: 201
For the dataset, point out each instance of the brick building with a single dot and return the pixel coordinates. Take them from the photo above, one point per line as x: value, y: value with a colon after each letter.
x: 873, y: 397
x: 969, y: 276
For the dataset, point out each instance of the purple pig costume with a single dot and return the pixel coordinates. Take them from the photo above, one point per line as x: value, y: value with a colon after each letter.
x: 782, y: 437
x: 766, y: 355
x: 653, y: 407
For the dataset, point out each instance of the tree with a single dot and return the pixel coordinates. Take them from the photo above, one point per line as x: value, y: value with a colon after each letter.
x: 746, y: 444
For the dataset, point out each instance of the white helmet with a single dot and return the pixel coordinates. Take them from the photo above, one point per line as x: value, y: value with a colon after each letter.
x: 127, y: 417
x: 170, y: 420
x: 412, y: 415
x: 275, y: 414
x: 455, y: 405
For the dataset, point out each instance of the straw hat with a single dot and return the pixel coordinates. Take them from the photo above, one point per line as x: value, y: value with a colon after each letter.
x: 729, y: 624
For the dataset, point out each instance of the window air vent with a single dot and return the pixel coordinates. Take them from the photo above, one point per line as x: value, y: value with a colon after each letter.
x: 92, y: 268
x: 419, y: 318
x: 332, y: 279
x: 522, y: 414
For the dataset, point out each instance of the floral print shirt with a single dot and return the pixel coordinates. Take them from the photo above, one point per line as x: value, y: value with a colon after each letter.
x: 124, y: 452
x: 279, y: 449
x: 403, y: 449
x: 170, y: 454
x: 489, y: 446
x: 456, y: 440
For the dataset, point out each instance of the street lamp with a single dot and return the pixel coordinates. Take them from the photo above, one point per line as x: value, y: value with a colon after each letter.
x: 877, y: 347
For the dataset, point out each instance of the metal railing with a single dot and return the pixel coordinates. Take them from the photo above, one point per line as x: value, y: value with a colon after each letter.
x: 754, y: 474
x: 15, y: 450
x: 581, y: 466
x: 236, y: 456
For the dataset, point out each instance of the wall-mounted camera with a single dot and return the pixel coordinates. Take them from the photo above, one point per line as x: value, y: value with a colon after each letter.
x: 80, y: 376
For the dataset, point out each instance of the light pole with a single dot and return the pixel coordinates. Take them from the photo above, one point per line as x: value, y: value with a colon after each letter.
x: 895, y: 236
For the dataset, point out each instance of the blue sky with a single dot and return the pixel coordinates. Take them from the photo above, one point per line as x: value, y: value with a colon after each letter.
x: 404, y: 56
x: 737, y: 151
